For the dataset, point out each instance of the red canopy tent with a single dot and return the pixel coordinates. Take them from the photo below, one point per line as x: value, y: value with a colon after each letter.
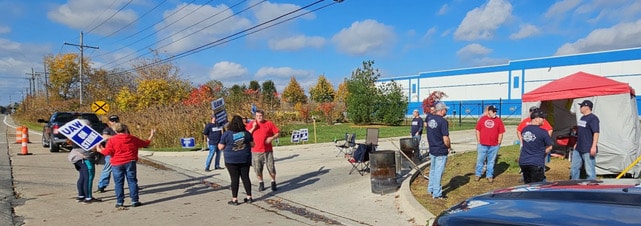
x: 614, y: 104
x: 577, y: 85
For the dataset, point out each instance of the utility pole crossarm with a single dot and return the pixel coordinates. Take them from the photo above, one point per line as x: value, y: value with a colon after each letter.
x: 81, y: 46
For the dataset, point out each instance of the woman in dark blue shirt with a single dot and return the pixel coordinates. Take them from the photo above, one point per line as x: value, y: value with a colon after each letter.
x: 236, y: 143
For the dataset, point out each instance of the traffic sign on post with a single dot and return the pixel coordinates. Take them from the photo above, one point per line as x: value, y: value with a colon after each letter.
x: 100, y: 107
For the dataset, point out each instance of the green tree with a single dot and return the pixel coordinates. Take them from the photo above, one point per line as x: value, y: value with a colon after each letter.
x: 323, y: 91
x: 269, y: 95
x: 361, y: 88
x: 293, y: 93
x: 391, y: 103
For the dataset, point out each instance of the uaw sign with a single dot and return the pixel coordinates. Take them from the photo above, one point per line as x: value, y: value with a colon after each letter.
x: 218, y: 106
x: 81, y: 134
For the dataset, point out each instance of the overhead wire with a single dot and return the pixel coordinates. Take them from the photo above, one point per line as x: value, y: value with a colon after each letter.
x: 155, y: 32
x: 112, y: 15
x: 153, y: 25
x: 218, y: 42
x: 132, y: 22
x: 113, y: 2
x: 217, y: 22
x: 225, y: 39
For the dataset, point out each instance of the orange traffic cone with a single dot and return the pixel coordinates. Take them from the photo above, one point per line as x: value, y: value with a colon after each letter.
x: 25, y: 140
x: 25, y: 131
x: 18, y: 134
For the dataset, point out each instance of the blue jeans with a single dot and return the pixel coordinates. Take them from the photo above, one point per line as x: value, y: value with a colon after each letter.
x: 91, y: 169
x: 589, y: 162
x: 485, y: 152
x: 437, y: 166
x: 103, y: 182
x: 127, y: 170
x: 213, y: 150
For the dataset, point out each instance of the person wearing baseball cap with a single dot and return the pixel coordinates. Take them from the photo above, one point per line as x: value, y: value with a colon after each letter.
x: 585, y: 149
x: 105, y: 175
x: 438, y: 137
x: 535, y: 147
x: 489, y: 135
x: 526, y: 121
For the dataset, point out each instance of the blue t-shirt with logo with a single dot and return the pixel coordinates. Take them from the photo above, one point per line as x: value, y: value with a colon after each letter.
x: 237, y: 147
x: 213, y: 131
x: 535, y: 140
x: 587, y: 126
x: 437, y: 128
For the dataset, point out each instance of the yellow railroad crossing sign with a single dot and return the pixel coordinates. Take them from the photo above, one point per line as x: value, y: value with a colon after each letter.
x: 100, y: 107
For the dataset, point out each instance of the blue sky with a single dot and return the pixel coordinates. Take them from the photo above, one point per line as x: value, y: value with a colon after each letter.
x: 402, y: 37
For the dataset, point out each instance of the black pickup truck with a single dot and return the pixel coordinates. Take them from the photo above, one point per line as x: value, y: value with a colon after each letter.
x: 54, y: 140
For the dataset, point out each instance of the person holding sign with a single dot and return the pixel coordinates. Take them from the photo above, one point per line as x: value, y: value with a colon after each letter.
x: 213, y: 131
x: 123, y: 149
x: 263, y: 132
x: 83, y: 161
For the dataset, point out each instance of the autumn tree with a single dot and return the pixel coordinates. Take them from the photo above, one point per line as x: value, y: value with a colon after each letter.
x: 104, y: 85
x: 64, y: 79
x: 294, y: 93
x: 341, y: 92
x: 158, y: 83
x: 323, y: 91
x: 362, y: 92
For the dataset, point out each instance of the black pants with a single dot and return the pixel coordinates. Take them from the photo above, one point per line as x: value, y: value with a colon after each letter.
x: 533, y: 173
x: 236, y: 171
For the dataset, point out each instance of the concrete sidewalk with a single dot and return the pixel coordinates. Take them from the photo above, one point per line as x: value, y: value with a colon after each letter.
x: 311, y: 178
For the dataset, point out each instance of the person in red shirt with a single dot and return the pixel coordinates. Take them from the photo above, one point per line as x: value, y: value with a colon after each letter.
x: 263, y: 132
x: 489, y: 135
x: 123, y: 149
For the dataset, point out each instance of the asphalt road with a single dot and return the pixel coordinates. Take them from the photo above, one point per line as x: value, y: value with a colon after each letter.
x: 175, y: 191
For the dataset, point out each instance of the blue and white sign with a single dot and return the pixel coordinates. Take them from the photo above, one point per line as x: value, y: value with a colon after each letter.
x: 81, y: 134
x: 188, y: 142
x: 295, y: 136
x: 218, y: 106
x: 304, y: 135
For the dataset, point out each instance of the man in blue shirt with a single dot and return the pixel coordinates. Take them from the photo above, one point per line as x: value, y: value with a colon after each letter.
x: 213, y: 131
x: 438, y: 137
x: 585, y: 149
x: 536, y: 145
x: 416, y: 130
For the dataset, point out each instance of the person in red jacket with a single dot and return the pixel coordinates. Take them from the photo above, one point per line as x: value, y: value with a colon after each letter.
x: 123, y: 149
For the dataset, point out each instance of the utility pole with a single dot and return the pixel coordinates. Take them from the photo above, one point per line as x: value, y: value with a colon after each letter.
x: 46, y: 82
x: 32, y: 82
x: 81, y: 46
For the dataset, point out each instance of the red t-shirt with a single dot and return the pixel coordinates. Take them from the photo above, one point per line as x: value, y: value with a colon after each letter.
x: 545, y: 126
x: 490, y: 129
x: 264, y: 130
x: 123, y: 148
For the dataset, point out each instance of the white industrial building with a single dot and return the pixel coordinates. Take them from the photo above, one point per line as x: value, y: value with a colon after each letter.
x: 469, y: 89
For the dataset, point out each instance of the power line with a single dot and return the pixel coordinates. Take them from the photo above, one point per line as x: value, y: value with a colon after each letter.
x: 132, y: 22
x: 112, y: 15
x: 148, y: 46
x: 224, y: 39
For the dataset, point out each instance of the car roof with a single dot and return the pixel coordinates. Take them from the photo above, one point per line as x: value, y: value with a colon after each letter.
x: 578, y: 202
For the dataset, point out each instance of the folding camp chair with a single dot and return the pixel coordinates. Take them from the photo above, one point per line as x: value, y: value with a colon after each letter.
x: 347, y: 146
x: 371, y: 139
x: 360, y: 159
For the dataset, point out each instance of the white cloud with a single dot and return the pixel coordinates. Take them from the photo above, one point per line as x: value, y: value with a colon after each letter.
x: 225, y: 71
x: 365, y: 37
x: 526, y: 30
x: 267, y: 11
x: 442, y: 10
x: 473, y: 50
x: 559, y: 9
x: 195, y: 25
x: 282, y: 72
x: 90, y: 15
x: 623, y: 35
x: 296, y: 42
x: 476, y: 55
x: 5, y: 29
x: 482, y: 22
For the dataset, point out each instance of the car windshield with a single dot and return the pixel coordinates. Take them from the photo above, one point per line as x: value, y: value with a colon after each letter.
x: 66, y: 117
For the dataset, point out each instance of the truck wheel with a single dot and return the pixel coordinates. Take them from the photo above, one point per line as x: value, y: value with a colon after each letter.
x: 45, y: 144
x: 53, y: 147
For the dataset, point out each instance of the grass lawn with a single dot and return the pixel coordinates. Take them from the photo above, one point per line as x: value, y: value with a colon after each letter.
x: 459, y: 184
